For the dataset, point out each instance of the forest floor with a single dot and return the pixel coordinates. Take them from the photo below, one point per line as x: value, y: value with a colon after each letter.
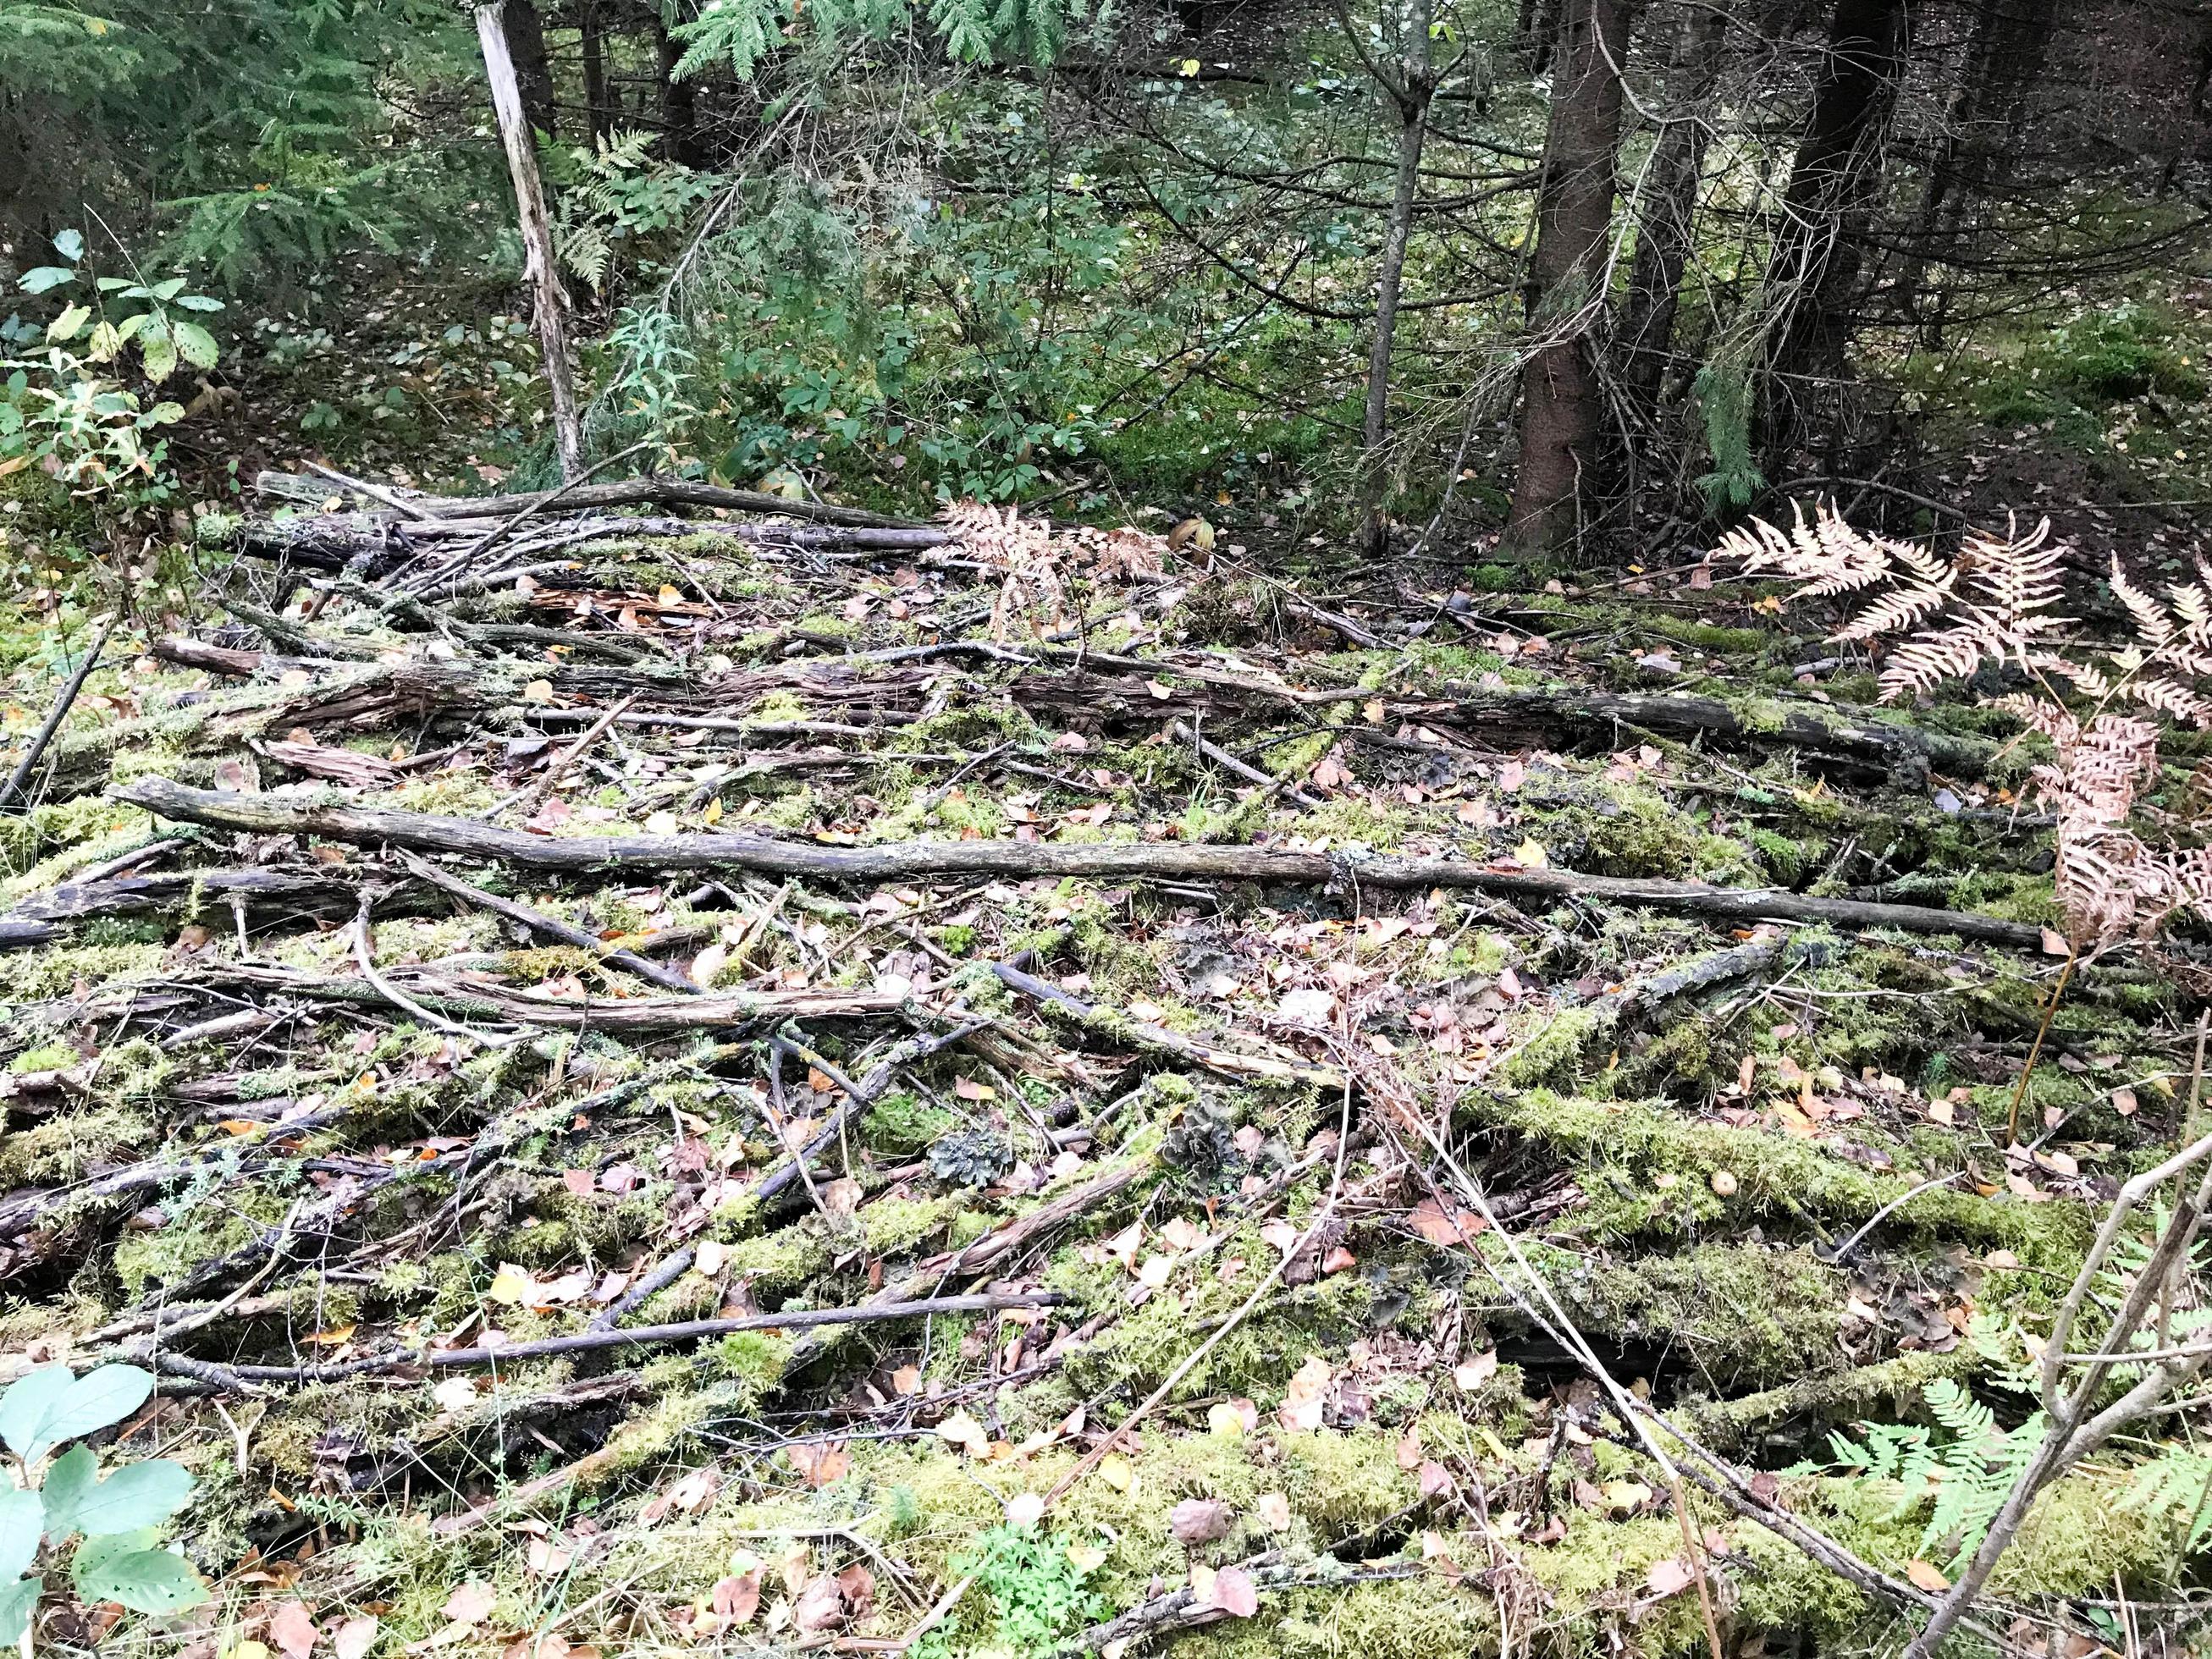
x: 1361, y: 1060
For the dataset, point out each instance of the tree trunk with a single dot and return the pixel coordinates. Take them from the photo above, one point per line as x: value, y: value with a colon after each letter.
x: 591, y: 37
x: 1818, y: 251
x: 533, y: 69
x: 539, y: 268
x: 679, y: 104
x: 1412, y: 96
x: 1560, y: 396
x: 1670, y: 201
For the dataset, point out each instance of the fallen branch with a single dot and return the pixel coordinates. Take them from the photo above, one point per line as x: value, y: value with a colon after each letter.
x: 1018, y: 861
x: 620, y: 492
x: 689, y: 1330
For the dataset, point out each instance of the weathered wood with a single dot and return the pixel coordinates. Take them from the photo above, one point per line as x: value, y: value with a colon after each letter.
x: 618, y: 492
x: 541, y: 267
x: 908, y: 860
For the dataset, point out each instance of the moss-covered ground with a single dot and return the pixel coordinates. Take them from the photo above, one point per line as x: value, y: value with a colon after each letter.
x: 1777, y: 1206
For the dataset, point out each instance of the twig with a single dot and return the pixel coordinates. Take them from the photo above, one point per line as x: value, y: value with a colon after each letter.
x: 58, y: 714
x: 638, y: 1336
x: 548, y: 927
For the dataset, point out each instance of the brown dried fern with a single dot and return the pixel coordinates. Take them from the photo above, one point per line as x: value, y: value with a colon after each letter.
x: 1036, y: 560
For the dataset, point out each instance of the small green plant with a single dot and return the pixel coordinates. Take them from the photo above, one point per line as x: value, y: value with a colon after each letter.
x: 116, y: 1521
x: 65, y: 409
x: 1968, y: 1461
x: 1035, y: 1591
x: 1724, y: 397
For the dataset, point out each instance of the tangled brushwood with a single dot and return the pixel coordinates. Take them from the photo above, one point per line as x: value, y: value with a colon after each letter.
x: 1035, y: 560
x: 1994, y: 608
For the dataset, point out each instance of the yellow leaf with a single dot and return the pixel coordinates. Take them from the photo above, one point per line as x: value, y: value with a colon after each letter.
x: 1531, y: 853
x: 537, y: 692
x: 511, y: 1284
x: 1189, y: 66
x: 669, y: 595
x: 1224, y: 1419
x: 1085, y: 1558
x: 1114, y: 1469
x: 333, y: 1336
x: 713, y: 815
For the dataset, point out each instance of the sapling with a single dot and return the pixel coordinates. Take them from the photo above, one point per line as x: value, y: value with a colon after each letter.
x: 116, y: 1521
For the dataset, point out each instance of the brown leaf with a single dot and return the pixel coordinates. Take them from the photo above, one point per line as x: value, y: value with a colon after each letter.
x: 820, y: 1606
x: 1435, y: 1479
x: 1472, y: 1374
x: 737, y: 1597
x: 858, y: 1586
x: 354, y: 1637
x: 1234, y: 1593
x: 819, y: 1463
x: 1273, y: 1509
x: 1671, y: 1577
x: 1200, y: 1520
x: 471, y: 1603
x: 292, y: 1628
x: 1928, y: 1575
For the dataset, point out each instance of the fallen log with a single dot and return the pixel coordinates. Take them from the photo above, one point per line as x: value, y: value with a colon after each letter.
x: 1858, y: 739
x: 422, y: 832
x: 42, y: 918
x: 373, y: 544
x: 617, y: 492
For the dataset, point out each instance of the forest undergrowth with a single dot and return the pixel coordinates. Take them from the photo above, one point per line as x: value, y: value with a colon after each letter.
x: 652, y: 1083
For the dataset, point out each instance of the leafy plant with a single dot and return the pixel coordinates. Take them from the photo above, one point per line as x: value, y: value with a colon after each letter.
x: 116, y: 1521
x: 1968, y: 1461
x: 1035, y: 1592
x: 126, y: 312
x: 616, y: 196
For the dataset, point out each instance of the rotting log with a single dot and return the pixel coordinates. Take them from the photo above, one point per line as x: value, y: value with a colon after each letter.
x: 420, y: 832
x: 648, y: 491
x: 1894, y: 750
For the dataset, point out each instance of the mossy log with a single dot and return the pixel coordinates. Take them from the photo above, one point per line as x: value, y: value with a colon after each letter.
x: 908, y: 860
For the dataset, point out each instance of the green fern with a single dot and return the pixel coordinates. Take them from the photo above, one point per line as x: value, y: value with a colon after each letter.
x: 2176, y: 1485
x: 1967, y: 1460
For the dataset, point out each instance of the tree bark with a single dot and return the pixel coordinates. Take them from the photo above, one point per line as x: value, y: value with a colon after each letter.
x: 533, y: 68
x: 679, y: 103
x: 1416, y: 87
x: 539, y: 267
x: 1670, y: 185
x: 1559, y: 398
x: 592, y: 42
x: 1818, y: 253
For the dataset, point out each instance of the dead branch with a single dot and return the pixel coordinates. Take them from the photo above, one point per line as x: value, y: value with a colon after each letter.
x: 1018, y: 861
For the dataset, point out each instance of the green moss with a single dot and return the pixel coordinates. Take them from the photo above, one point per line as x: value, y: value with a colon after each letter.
x: 1740, y: 1315
x: 1552, y: 1053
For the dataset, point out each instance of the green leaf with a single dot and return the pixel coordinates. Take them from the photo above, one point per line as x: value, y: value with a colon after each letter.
x: 137, y: 1495
x: 199, y: 302
x: 194, y: 343
x: 74, y: 1474
x: 170, y: 290
x: 160, y: 354
x: 145, y: 1581
x: 63, y: 1410
x: 64, y: 327
x: 24, y: 1408
x: 40, y: 278
x: 17, y: 1602
x: 22, y: 1520
x: 70, y: 246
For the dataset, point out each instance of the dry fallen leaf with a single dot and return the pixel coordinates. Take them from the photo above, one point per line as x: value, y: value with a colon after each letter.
x: 1199, y: 1520
x: 471, y: 1603
x: 1234, y: 1593
x: 1302, y: 1401
x: 1273, y: 1509
x: 818, y: 1463
x: 1671, y: 1576
x: 292, y: 1628
x: 1928, y: 1575
x: 354, y: 1637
